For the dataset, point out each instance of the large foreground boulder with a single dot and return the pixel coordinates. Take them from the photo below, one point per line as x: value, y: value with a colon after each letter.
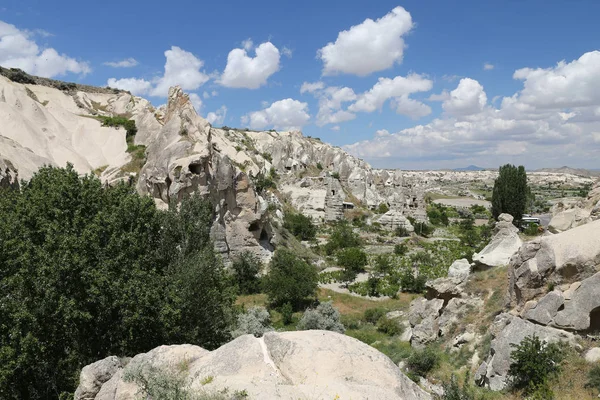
x: 287, y: 365
x: 504, y: 244
x: 508, y: 330
x: 394, y: 219
x: 555, y: 260
x: 569, y: 219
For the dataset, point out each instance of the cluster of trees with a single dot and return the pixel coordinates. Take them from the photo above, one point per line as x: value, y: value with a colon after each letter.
x: 88, y: 271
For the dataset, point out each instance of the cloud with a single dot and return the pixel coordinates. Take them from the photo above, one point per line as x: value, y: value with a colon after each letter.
x: 410, y: 107
x: 19, y: 50
x: 138, y: 87
x: 399, y: 87
x: 196, y: 101
x: 243, y: 71
x: 335, y: 128
x: 248, y: 44
x: 217, y: 117
x: 126, y: 63
x: 181, y: 68
x: 208, y: 95
x: 310, y: 87
x: 368, y: 47
x: 286, y: 51
x: 488, y: 67
x: 330, y: 104
x: 286, y: 114
x: 557, y: 107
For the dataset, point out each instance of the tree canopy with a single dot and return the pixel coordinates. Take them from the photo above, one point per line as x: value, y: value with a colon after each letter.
x: 88, y: 271
x: 510, y: 192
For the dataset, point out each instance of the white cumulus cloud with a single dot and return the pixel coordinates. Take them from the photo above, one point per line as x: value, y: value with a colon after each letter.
x: 468, y: 98
x: 310, y: 87
x: 286, y: 114
x: 181, y: 68
x: 19, y: 50
x: 243, y: 71
x: 126, y: 63
x: 196, y: 101
x: 368, y: 47
x: 217, y: 117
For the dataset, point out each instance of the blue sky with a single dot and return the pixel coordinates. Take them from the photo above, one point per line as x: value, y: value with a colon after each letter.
x: 399, y: 84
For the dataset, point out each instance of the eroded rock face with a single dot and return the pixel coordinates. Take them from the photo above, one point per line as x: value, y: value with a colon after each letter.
x: 506, y: 330
x: 9, y: 177
x: 460, y: 269
x: 307, y: 364
x: 564, y: 258
x: 394, y: 219
x: 569, y: 219
x: 504, y: 244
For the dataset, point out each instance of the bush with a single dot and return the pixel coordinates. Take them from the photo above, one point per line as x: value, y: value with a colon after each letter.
x: 593, y: 378
x: 421, y: 228
x: 342, y: 237
x: 401, y: 232
x: 324, y: 317
x: 372, y: 315
x: 383, y: 208
x: 256, y: 321
x: 532, y: 229
x: 389, y: 326
x: 245, y: 273
x: 412, y: 282
x: 262, y: 183
x: 437, y: 215
x: 335, y: 175
x: 290, y: 279
x: 423, y: 361
x: 400, y: 249
x: 300, y: 226
x: 116, y: 275
x: 534, y: 363
x: 353, y: 260
x: 287, y: 313
x: 453, y: 391
x: 319, y: 166
x: 128, y: 124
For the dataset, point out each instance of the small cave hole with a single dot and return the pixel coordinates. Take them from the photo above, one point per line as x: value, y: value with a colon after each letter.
x: 195, y: 168
x: 595, y: 320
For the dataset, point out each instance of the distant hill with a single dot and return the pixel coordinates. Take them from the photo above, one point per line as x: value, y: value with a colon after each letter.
x: 590, y: 173
x: 470, y: 168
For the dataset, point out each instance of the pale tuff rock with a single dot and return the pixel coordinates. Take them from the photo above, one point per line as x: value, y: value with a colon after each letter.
x: 506, y: 330
x: 95, y: 375
x: 9, y: 177
x: 568, y: 216
x: 592, y: 355
x: 559, y: 259
x: 504, y: 244
x: 393, y: 219
x: 307, y: 364
x: 460, y: 269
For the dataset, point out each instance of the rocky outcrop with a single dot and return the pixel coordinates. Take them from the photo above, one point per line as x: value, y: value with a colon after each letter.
x: 560, y: 259
x: 510, y: 330
x: 504, y: 244
x: 9, y: 177
x: 308, y: 364
x: 460, y: 269
x: 569, y: 219
x: 394, y: 219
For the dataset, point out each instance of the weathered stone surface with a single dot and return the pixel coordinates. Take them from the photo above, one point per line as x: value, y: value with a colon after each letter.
x: 444, y: 288
x: 9, y: 177
x: 308, y: 364
x: 569, y: 219
x: 460, y: 269
x: 508, y: 329
x: 545, y: 310
x: 580, y: 313
x: 93, y: 376
x: 393, y: 219
x: 592, y: 355
x: 563, y: 258
x: 504, y: 244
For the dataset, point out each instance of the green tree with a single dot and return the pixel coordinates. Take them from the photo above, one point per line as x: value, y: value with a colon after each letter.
x: 510, y: 192
x: 88, y: 271
x: 300, y: 226
x: 290, y: 279
x: 353, y: 260
x: 342, y: 237
x: 534, y: 363
x: 245, y: 269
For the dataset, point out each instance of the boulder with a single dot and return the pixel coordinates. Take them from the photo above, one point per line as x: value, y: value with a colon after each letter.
x: 394, y: 219
x: 460, y: 269
x: 546, y: 309
x: 592, y: 355
x: 564, y: 258
x: 508, y: 330
x: 569, y: 219
x: 444, y: 288
x: 307, y: 364
x: 93, y: 376
x: 504, y: 244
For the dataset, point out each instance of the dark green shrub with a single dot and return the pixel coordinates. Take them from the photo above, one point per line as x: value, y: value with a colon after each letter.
x: 453, y: 391
x: 319, y: 166
x: 412, y: 282
x: 342, y: 237
x: 335, y: 175
x: 437, y: 214
x: 290, y: 279
x: 353, y: 260
x: 128, y: 124
x: 532, y: 229
x: 267, y: 156
x: 262, y: 183
x: 300, y: 226
x: 372, y: 315
x: 287, y: 313
x: 389, y: 326
x: 534, y: 363
x: 400, y: 249
x: 19, y: 76
x: 383, y: 208
x: 593, y: 378
x: 423, y: 361
x: 421, y: 228
x: 245, y: 269
x: 401, y: 232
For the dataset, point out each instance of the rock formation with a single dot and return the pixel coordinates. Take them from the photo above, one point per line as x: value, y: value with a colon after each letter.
x: 393, y: 219
x: 504, y: 244
x: 307, y: 364
x: 9, y: 177
x: 570, y: 216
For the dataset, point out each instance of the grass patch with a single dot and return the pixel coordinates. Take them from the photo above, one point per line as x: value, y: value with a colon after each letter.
x: 353, y: 305
x: 98, y: 171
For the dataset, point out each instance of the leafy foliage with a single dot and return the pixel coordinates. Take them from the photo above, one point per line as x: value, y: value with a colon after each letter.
x: 300, y: 225
x: 255, y: 321
x: 421, y: 228
x: 383, y: 208
x: 324, y: 317
x: 353, y: 260
x: 342, y: 237
x: 593, y: 378
x: 437, y: 214
x: 422, y: 361
x: 534, y: 363
x: 245, y: 269
x: 510, y: 192
x: 372, y: 315
x: 290, y: 279
x: 126, y: 123
x: 287, y: 313
x: 389, y: 326
x: 88, y: 271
